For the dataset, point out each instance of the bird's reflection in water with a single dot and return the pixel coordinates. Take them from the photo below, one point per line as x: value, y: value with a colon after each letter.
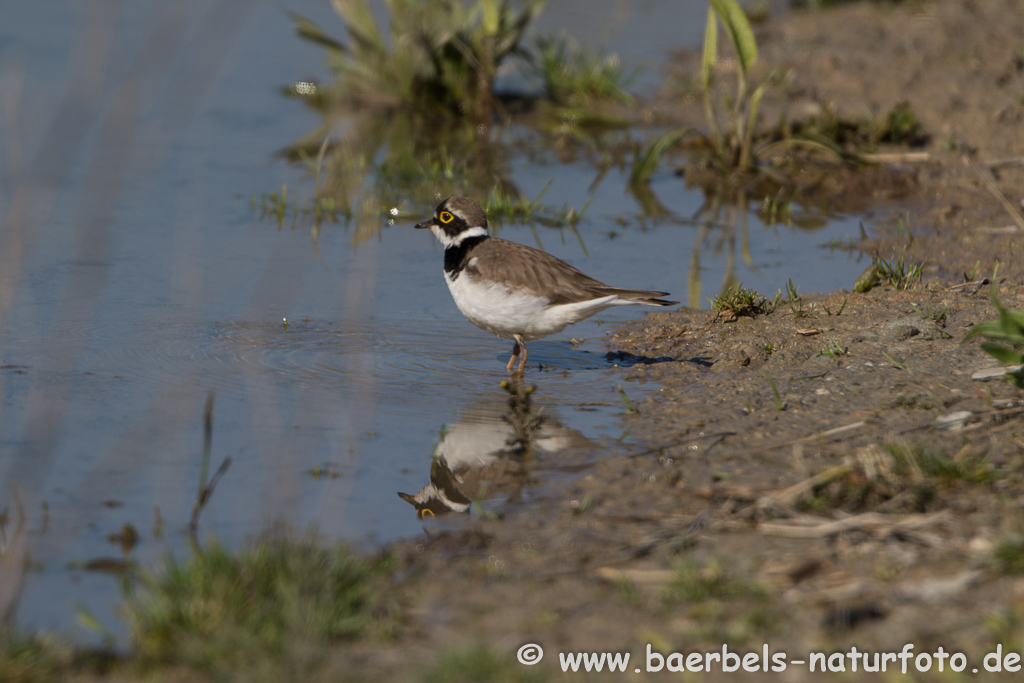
x: 487, y: 453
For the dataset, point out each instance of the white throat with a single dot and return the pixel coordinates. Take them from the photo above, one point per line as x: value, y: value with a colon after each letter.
x: 433, y: 492
x: 457, y: 240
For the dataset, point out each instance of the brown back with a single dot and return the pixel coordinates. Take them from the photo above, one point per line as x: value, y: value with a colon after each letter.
x: 547, y: 276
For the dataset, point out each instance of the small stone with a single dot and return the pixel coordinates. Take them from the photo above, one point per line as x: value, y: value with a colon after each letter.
x: 997, y: 372
x: 953, y: 421
x: 902, y: 332
x: 939, y: 590
x: 980, y: 545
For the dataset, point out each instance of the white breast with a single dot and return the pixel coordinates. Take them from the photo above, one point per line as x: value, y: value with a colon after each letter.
x: 492, y: 307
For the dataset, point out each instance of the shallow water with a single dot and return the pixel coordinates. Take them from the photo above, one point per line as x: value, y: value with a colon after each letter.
x: 135, y: 280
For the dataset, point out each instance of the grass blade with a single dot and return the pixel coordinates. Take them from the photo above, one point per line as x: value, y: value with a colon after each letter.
x: 1003, y: 354
x: 738, y: 27
x: 313, y: 33
x: 710, y: 56
x: 362, y: 26
x: 779, y: 403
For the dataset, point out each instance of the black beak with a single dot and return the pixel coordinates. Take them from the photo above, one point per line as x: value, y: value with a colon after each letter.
x: 425, y: 224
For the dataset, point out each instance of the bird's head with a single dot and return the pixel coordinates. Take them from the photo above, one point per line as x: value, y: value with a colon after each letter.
x: 456, y: 219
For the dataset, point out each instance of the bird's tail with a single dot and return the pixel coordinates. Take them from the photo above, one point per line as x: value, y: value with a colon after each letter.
x: 638, y: 296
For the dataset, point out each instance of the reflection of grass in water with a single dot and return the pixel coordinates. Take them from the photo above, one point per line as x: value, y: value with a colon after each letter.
x: 723, y: 221
x: 500, y: 206
x: 773, y: 210
x: 309, y: 209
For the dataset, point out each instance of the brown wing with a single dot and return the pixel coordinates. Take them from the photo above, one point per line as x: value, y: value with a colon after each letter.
x: 547, y: 276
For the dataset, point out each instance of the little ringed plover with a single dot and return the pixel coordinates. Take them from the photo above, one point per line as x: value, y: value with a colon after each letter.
x: 515, y: 291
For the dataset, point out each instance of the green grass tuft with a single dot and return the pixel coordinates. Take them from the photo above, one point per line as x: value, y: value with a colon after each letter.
x: 479, y: 664
x: 33, y: 658
x: 266, y: 605
x: 910, y: 478
x: 693, y: 583
x: 899, y: 273
x: 572, y: 75
x: 440, y: 55
x: 741, y: 301
x: 932, y: 464
x: 1009, y: 555
x: 725, y: 607
x: 901, y: 127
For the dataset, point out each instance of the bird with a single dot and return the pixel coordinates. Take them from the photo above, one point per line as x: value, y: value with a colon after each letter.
x: 513, y: 290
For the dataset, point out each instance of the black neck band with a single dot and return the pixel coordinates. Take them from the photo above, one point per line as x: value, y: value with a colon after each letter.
x: 455, y: 255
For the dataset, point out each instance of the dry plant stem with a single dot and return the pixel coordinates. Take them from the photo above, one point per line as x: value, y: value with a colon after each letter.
x: 641, y: 576
x: 1010, y: 208
x: 788, y: 497
x: 1003, y: 163
x: 882, y: 525
x: 823, y: 435
x: 897, y: 158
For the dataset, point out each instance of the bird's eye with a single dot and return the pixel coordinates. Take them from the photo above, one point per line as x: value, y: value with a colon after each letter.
x: 445, y: 217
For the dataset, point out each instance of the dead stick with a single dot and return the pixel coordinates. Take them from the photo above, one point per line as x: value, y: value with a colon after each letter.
x: 789, y: 496
x: 868, y: 520
x: 897, y: 158
x: 1010, y: 208
x: 823, y: 435
x: 1000, y: 163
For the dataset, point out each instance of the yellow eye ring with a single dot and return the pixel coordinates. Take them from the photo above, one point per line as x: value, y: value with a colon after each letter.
x: 446, y: 217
